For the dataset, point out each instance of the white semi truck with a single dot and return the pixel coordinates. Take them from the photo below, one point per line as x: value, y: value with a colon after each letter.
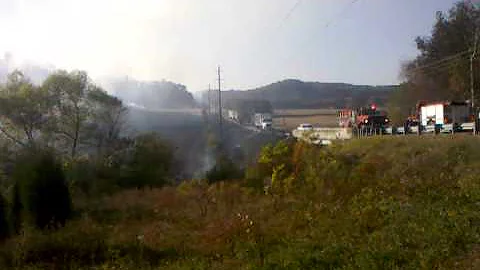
x: 446, y: 116
x: 263, y: 120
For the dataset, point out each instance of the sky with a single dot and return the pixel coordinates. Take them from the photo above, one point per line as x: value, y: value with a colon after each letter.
x: 255, y: 42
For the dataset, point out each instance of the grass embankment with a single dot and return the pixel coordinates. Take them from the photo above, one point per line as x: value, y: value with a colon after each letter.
x: 383, y: 203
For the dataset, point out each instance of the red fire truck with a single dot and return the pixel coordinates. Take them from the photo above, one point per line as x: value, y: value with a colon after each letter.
x: 363, y: 117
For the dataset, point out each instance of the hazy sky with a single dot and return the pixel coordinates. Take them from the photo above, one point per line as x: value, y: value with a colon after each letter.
x: 255, y: 41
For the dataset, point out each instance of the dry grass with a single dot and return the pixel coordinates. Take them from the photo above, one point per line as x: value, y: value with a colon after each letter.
x: 289, y: 123
x: 305, y: 112
x: 291, y: 119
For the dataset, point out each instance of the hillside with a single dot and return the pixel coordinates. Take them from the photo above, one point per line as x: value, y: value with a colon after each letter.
x: 379, y: 203
x: 152, y: 94
x: 295, y: 94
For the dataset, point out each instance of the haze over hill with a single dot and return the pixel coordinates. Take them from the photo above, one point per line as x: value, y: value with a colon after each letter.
x: 295, y: 94
x: 37, y: 73
x: 152, y: 94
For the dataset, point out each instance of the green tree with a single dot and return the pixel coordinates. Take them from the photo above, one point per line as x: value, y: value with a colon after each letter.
x: 41, y: 195
x: 224, y: 169
x: 67, y: 92
x: 275, y: 164
x: 107, y: 121
x: 442, y: 68
x: 23, y: 110
x: 149, y: 163
x: 84, y: 115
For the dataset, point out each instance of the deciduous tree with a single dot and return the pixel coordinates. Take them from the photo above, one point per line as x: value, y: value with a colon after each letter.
x: 23, y: 110
x: 442, y: 68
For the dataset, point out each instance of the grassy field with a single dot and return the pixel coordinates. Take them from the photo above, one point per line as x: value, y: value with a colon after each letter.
x: 377, y: 203
x: 290, y: 119
x: 305, y: 112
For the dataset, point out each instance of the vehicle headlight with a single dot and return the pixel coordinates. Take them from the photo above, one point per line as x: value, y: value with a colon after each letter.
x: 366, y: 121
x: 386, y: 120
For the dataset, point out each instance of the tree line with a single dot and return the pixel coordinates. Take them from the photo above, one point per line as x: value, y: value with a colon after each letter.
x: 447, y: 66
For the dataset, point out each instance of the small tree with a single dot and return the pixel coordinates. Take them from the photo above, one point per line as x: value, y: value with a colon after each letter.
x: 41, y: 196
x: 150, y: 163
x: 223, y: 170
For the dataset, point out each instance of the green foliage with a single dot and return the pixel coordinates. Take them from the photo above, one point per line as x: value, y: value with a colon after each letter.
x: 223, y: 170
x: 441, y: 71
x: 144, y: 161
x: 41, y: 195
x: 150, y: 163
x: 377, y: 203
x: 274, y: 167
x: 83, y: 115
x: 67, y: 111
x: 23, y: 110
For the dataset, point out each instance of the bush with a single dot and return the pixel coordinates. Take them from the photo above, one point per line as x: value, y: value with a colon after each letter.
x: 80, y: 175
x: 149, y: 165
x: 389, y: 203
x: 223, y: 170
x: 41, y: 196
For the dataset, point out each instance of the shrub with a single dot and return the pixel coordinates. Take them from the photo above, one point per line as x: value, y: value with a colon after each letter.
x: 41, y: 195
x: 150, y: 163
x: 223, y: 170
x: 80, y: 175
x: 370, y: 204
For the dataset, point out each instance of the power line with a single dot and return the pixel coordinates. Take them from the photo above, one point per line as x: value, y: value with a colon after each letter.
x: 438, y: 69
x: 345, y: 9
x: 290, y: 12
x: 440, y: 61
x: 281, y: 24
x: 450, y: 63
x: 330, y: 22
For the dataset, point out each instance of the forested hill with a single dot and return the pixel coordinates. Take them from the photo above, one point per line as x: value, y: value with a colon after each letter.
x: 152, y: 94
x: 298, y: 94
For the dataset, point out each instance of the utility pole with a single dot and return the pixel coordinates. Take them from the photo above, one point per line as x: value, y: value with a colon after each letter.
x: 209, y: 101
x: 472, y: 83
x: 472, y: 57
x: 220, y: 118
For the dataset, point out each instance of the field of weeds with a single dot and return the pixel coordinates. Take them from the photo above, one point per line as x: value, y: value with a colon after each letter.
x: 378, y: 203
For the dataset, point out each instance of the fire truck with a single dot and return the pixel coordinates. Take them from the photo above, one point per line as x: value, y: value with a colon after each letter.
x: 362, y: 118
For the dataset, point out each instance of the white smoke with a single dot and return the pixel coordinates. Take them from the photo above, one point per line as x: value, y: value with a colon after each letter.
x: 36, y: 72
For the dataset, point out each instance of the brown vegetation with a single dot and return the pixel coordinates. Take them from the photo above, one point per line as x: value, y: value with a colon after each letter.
x: 291, y: 119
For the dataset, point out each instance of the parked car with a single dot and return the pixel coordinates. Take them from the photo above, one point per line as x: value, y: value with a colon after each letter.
x: 305, y: 127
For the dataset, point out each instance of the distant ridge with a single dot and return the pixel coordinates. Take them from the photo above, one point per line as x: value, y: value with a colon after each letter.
x: 297, y: 94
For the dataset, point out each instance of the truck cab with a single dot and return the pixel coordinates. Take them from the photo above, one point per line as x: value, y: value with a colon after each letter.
x: 371, y: 117
x: 263, y: 120
x: 266, y: 124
